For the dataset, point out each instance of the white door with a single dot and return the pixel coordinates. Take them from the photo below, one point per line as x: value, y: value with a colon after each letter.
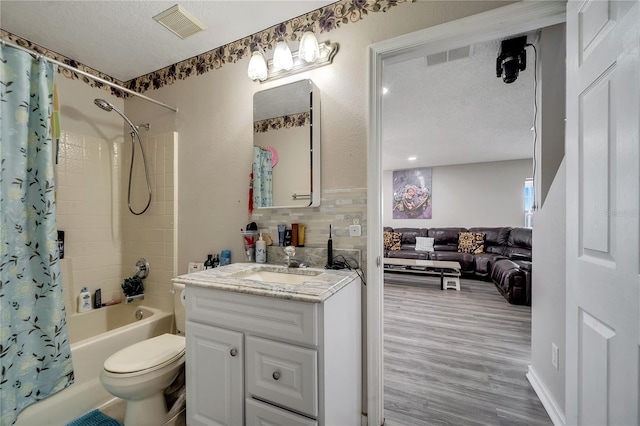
x: 603, y: 257
x: 214, y: 375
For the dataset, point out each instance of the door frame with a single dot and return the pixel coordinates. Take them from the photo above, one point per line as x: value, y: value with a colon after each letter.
x: 504, y: 21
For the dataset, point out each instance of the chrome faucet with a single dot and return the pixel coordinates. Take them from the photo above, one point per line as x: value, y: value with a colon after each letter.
x: 289, y: 259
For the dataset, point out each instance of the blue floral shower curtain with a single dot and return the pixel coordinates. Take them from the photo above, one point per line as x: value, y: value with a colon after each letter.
x: 262, y: 178
x: 35, y: 356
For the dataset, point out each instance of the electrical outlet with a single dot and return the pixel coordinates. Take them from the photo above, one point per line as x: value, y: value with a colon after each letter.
x: 355, y: 231
x: 554, y: 355
x: 195, y: 267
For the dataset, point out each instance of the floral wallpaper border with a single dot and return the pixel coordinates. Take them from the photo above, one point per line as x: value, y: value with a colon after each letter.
x: 286, y: 121
x: 68, y: 73
x: 322, y: 20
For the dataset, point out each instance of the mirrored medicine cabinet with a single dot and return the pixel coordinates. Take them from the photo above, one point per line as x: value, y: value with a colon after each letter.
x: 286, y: 141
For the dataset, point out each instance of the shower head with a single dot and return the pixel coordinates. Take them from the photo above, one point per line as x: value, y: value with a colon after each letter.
x: 103, y: 104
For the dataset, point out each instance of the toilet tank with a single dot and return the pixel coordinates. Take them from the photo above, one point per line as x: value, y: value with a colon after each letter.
x: 178, y: 308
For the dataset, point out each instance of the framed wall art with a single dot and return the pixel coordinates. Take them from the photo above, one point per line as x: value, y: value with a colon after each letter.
x: 412, y: 191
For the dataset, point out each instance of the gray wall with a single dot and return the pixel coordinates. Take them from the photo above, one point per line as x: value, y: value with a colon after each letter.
x: 467, y: 195
x: 552, y: 104
x: 549, y: 232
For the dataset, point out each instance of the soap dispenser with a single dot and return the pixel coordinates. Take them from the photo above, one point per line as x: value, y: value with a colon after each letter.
x: 261, y: 250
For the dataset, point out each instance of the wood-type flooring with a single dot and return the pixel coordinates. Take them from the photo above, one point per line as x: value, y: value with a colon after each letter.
x: 456, y: 358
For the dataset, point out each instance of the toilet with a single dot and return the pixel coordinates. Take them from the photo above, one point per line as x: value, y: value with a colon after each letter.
x: 140, y: 373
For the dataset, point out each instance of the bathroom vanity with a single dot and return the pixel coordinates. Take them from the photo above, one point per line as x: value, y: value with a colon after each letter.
x: 273, y: 345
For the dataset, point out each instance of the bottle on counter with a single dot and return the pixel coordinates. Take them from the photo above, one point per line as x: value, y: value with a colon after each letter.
x: 208, y: 264
x: 216, y: 261
x: 261, y: 250
x: 225, y: 257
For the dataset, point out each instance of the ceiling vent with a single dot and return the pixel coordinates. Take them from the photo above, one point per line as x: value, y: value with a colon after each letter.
x: 180, y: 22
x: 449, y: 55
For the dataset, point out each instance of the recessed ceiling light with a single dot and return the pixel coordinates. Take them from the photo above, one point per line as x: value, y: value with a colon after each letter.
x: 385, y: 90
x: 412, y: 158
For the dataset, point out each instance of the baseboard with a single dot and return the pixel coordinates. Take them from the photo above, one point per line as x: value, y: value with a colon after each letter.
x: 548, y: 402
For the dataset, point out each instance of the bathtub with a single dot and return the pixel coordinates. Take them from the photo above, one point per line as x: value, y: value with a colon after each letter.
x: 94, y: 336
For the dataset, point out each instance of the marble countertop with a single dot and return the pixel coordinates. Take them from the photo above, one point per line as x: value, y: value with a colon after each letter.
x: 321, y: 285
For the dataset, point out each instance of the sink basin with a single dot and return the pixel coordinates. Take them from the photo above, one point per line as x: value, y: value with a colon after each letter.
x: 274, y: 277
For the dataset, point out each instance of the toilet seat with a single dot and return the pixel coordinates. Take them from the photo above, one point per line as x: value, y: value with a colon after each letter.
x: 146, y: 356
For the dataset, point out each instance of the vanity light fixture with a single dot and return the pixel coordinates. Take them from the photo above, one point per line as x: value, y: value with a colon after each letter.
x: 412, y: 158
x: 309, y: 49
x: 327, y: 51
x: 310, y: 55
x: 257, y: 66
x: 282, y: 58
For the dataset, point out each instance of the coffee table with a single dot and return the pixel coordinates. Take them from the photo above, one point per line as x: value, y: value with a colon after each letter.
x: 448, y: 271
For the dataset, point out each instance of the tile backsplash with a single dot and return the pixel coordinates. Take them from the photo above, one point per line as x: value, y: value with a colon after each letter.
x: 338, y: 208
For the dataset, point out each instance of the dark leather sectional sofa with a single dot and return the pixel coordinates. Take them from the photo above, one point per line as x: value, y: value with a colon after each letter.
x: 506, y: 258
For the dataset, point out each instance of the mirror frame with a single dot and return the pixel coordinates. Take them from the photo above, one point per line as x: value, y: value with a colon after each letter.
x: 314, y: 145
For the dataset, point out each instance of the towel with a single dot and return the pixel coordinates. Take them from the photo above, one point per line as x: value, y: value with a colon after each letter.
x: 95, y: 418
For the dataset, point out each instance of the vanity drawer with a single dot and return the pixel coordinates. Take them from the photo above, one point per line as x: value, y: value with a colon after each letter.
x: 261, y: 414
x: 284, y: 374
x: 282, y: 319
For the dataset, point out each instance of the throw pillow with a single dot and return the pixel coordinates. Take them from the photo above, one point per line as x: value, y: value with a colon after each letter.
x: 471, y: 242
x: 424, y: 244
x: 391, y: 240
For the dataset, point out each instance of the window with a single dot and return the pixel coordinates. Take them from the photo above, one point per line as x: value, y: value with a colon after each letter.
x: 528, y: 203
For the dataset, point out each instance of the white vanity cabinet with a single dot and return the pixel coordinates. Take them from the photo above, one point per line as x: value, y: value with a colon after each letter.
x: 261, y: 360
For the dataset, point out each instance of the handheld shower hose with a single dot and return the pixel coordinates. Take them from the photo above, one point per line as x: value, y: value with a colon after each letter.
x: 101, y: 103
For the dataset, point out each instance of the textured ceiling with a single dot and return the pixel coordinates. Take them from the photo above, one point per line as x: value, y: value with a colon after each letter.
x: 455, y: 112
x: 120, y: 38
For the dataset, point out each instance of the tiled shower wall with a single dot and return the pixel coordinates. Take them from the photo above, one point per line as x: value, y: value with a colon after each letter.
x: 152, y: 234
x: 100, y: 237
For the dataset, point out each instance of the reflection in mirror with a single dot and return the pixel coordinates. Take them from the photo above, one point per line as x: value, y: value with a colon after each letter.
x: 286, y: 141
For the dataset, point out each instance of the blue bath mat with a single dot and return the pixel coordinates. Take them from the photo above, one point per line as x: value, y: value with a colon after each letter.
x: 95, y: 418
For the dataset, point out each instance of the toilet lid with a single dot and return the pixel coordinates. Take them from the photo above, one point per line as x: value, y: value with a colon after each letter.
x: 146, y: 354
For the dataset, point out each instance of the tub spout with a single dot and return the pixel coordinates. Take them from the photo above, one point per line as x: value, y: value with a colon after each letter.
x: 129, y: 299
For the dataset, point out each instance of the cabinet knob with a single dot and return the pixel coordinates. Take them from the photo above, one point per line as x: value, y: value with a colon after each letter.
x: 233, y: 352
x: 276, y: 375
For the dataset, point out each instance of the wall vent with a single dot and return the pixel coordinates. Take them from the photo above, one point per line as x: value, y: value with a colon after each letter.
x: 180, y: 22
x: 449, y: 55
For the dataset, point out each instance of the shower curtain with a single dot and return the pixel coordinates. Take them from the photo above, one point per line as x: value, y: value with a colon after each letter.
x: 262, y: 178
x: 35, y: 356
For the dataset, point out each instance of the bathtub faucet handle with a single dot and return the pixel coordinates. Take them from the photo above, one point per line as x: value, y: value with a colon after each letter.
x: 142, y: 268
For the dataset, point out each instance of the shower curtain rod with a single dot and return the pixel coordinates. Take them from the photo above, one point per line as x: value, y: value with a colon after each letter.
x: 86, y: 74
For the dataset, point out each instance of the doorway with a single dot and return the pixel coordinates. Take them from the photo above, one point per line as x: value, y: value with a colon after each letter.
x: 496, y: 24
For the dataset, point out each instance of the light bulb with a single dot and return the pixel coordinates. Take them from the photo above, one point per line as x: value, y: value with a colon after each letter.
x: 309, y: 50
x: 282, y: 59
x: 257, y: 66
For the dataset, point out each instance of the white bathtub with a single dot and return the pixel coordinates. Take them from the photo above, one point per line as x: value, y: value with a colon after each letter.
x: 94, y: 336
